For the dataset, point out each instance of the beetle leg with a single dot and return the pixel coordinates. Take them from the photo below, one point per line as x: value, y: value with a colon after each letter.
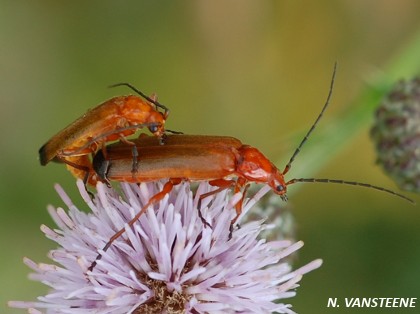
x: 86, y: 149
x: 162, y: 139
x: 85, y: 169
x: 134, y: 154
x: 222, y: 184
x: 153, y: 200
x: 135, y: 164
x: 126, y: 141
x: 74, y: 167
x: 238, y: 207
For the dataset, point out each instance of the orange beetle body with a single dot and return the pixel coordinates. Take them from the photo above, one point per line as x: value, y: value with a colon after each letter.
x: 190, y: 157
x: 109, y: 121
x: 215, y: 159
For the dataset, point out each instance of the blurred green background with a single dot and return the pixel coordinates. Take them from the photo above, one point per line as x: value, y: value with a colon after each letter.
x: 256, y: 70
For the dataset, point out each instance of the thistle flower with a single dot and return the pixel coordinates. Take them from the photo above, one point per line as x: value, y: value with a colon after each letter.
x: 396, y: 134
x: 168, y: 262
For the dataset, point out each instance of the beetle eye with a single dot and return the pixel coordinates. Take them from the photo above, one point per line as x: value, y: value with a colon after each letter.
x: 279, y: 188
x: 153, y: 128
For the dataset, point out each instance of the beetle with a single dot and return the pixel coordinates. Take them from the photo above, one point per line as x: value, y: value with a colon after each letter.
x: 183, y: 157
x: 223, y: 161
x: 113, y: 119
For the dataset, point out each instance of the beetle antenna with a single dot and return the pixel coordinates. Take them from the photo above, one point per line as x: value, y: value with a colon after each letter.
x: 155, y: 102
x: 289, y: 164
x: 365, y: 185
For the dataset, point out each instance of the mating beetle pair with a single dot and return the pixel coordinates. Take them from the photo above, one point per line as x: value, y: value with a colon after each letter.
x: 222, y: 161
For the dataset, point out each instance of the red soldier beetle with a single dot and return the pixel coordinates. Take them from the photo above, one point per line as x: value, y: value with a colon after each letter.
x: 200, y: 158
x: 197, y: 158
x: 114, y: 119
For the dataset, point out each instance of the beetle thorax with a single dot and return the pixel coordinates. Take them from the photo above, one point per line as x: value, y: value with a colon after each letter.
x: 137, y: 111
x: 255, y: 167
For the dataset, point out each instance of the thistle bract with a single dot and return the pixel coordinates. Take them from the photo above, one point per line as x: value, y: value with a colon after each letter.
x: 396, y: 134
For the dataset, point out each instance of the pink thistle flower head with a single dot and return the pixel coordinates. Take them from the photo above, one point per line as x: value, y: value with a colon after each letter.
x: 168, y: 262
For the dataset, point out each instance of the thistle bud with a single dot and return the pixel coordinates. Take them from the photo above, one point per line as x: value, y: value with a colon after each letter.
x: 396, y: 134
